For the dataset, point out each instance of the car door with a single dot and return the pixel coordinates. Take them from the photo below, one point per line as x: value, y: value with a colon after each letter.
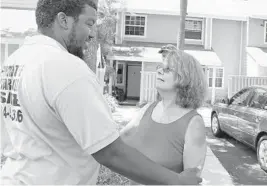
x: 250, y: 118
x: 239, y: 100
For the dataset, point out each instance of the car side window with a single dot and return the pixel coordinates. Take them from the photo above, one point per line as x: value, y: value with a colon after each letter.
x: 241, y: 98
x: 259, y: 99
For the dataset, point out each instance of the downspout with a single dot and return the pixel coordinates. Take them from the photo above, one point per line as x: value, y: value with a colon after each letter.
x: 241, y: 50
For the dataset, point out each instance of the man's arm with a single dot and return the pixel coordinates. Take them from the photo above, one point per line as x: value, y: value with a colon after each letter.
x: 130, y: 129
x: 195, y: 147
x: 129, y: 162
x: 82, y: 108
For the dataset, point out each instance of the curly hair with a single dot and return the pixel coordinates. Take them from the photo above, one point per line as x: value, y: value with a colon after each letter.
x: 47, y: 10
x: 192, y: 84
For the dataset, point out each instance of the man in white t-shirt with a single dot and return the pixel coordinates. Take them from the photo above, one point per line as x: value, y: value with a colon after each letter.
x: 59, y: 127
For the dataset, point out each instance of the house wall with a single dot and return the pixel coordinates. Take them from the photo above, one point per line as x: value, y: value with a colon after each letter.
x: 256, y: 33
x: 244, y: 52
x: 226, y: 37
x: 262, y: 71
x: 159, y: 28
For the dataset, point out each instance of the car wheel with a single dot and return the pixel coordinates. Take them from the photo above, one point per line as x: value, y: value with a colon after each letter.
x: 262, y: 152
x: 215, y: 126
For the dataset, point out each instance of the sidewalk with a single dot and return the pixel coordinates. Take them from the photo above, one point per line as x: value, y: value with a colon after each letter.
x: 213, y: 172
x: 205, y: 112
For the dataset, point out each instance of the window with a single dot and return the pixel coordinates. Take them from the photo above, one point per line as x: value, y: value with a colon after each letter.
x: 135, y: 25
x: 193, y: 29
x: 265, y: 32
x: 120, y: 71
x: 259, y: 100
x: 241, y: 98
x: 218, y: 77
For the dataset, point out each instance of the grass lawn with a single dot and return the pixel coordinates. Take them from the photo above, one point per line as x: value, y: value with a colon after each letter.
x: 108, y: 177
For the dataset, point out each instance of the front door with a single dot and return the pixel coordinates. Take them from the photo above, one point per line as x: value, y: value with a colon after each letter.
x: 133, y: 81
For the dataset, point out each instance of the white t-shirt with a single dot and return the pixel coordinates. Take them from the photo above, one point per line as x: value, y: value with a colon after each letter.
x: 55, y: 116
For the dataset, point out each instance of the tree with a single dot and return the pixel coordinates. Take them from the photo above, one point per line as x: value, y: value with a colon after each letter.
x: 104, y: 31
x: 181, y: 35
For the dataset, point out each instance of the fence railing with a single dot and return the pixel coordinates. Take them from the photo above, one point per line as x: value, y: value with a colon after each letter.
x: 148, y: 87
x: 236, y: 83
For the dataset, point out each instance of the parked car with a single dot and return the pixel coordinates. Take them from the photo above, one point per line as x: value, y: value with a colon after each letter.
x: 244, y: 117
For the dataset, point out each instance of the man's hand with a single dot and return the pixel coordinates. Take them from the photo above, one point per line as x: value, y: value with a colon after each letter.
x: 129, y: 162
x: 189, y: 177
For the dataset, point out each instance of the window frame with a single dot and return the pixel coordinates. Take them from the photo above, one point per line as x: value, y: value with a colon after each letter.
x: 214, y: 76
x: 196, y: 41
x: 123, y: 73
x: 134, y: 36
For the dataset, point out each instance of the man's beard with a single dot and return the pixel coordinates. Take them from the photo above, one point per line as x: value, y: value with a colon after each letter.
x: 74, y: 47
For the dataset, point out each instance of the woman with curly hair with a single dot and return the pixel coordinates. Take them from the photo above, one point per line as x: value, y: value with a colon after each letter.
x: 170, y: 131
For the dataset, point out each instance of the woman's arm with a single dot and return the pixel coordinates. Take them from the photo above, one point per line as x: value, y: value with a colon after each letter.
x: 132, y: 126
x: 195, y: 146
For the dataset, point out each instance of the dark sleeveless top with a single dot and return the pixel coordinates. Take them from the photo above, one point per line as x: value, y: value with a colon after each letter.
x: 162, y: 143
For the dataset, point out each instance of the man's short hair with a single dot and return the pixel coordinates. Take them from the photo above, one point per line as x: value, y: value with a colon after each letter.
x: 167, y: 48
x: 47, y: 10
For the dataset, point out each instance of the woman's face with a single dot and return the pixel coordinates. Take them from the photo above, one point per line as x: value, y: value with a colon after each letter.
x: 166, y: 77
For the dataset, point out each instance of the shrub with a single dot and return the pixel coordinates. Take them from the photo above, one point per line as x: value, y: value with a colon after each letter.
x: 112, y: 102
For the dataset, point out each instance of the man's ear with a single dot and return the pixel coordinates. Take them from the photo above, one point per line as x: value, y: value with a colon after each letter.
x: 64, y: 21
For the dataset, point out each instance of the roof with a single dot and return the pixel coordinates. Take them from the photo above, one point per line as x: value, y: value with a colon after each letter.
x: 259, y: 55
x: 228, y: 9
x: 150, y: 54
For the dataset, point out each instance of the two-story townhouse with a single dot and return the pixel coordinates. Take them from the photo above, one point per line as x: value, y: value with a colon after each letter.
x: 227, y: 37
x: 217, y: 34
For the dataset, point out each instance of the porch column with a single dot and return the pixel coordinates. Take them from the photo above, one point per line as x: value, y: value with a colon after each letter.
x: 213, y: 91
x: 110, y: 80
x: 142, y: 84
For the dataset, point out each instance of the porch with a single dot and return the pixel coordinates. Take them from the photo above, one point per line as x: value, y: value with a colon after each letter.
x: 135, y: 69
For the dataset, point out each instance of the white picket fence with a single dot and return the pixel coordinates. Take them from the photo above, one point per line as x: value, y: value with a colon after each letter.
x: 236, y: 83
x: 148, y: 87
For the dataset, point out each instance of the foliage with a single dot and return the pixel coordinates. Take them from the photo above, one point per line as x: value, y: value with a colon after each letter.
x: 112, y: 102
x: 104, y: 31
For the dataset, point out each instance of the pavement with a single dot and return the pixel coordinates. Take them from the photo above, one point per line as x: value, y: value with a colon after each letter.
x: 213, y: 172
